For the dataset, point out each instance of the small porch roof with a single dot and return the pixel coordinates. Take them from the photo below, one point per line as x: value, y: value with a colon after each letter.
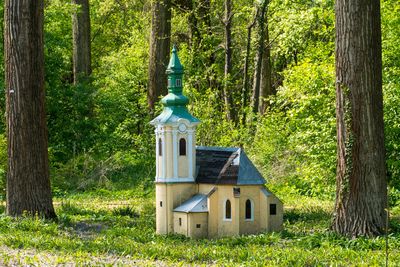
x: 197, y: 203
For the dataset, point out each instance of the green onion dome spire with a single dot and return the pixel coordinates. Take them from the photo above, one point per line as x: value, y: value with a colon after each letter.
x: 175, y: 102
x: 174, y: 71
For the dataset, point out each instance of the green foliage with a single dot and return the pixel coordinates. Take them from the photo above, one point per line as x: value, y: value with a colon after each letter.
x: 391, y: 82
x: 92, y: 228
x: 99, y: 132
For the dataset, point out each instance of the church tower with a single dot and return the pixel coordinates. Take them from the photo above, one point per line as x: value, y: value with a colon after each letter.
x: 175, y: 149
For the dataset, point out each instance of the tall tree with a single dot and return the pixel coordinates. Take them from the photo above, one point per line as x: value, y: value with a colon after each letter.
x: 259, y: 55
x: 245, y: 88
x: 228, y: 59
x: 82, y: 66
x: 266, y: 72
x: 361, y: 193
x: 28, y: 182
x: 159, y: 50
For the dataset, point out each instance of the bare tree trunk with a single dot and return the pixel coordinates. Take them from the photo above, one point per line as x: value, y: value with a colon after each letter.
x: 228, y: 59
x: 259, y: 56
x: 82, y: 67
x: 361, y: 186
x: 28, y: 182
x: 266, y: 73
x: 159, y: 50
x: 245, y: 89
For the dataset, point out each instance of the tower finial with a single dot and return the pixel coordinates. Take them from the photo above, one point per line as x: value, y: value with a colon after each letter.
x: 174, y: 66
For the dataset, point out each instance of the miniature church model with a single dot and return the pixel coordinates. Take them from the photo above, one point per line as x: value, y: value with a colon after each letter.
x: 205, y: 192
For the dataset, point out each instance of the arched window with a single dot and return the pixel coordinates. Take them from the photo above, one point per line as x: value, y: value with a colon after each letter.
x: 228, y: 210
x: 249, y: 210
x: 159, y: 147
x: 182, y: 147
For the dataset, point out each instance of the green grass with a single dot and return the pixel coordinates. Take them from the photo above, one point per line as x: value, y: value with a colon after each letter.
x: 117, y: 228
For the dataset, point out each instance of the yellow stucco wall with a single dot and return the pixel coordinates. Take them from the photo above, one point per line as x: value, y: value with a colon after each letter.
x: 171, y: 196
x: 200, y: 219
x: 213, y: 213
x: 275, y: 222
x: 205, y: 188
x: 183, y: 228
x: 263, y: 212
x: 227, y: 227
x: 262, y: 221
x: 249, y: 226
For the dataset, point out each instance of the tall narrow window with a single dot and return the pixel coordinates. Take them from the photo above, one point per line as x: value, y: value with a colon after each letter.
x: 249, y: 210
x: 272, y: 209
x: 182, y: 147
x: 228, y: 210
x: 159, y: 147
x: 178, y: 82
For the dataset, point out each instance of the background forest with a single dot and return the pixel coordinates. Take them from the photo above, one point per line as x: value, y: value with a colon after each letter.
x: 99, y: 132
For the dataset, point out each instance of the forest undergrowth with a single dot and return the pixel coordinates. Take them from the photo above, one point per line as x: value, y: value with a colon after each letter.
x: 108, y: 228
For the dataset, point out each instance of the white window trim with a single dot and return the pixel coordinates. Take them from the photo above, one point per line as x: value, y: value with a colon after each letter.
x: 179, y: 146
x: 224, y: 211
x: 251, y: 211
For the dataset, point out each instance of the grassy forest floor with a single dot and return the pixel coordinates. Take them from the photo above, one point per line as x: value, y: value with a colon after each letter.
x: 117, y: 228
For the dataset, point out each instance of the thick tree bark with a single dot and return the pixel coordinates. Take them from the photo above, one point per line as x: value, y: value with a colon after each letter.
x: 28, y: 182
x: 228, y: 59
x: 266, y: 73
x: 159, y: 50
x: 245, y: 88
x: 361, y: 186
x: 82, y: 67
x: 255, y: 99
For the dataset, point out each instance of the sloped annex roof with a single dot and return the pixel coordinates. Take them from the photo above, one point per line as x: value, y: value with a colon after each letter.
x: 226, y: 165
x: 197, y: 203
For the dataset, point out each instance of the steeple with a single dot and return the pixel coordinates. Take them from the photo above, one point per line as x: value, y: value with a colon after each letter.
x: 175, y: 101
x: 175, y: 85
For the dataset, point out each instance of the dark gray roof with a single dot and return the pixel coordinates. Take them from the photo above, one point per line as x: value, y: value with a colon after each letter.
x: 197, y: 203
x: 225, y: 165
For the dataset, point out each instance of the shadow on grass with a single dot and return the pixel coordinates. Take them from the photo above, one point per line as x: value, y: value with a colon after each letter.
x: 313, y: 214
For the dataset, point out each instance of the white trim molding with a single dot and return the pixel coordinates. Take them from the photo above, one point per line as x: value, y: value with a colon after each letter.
x: 157, y: 148
x: 175, y: 180
x: 190, y: 152
x: 175, y: 151
x: 164, y: 156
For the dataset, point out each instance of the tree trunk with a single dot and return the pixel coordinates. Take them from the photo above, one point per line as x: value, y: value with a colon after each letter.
x: 228, y: 59
x: 266, y: 73
x: 361, y: 193
x: 28, y: 182
x: 159, y: 50
x: 82, y: 67
x: 245, y: 89
x: 259, y: 56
